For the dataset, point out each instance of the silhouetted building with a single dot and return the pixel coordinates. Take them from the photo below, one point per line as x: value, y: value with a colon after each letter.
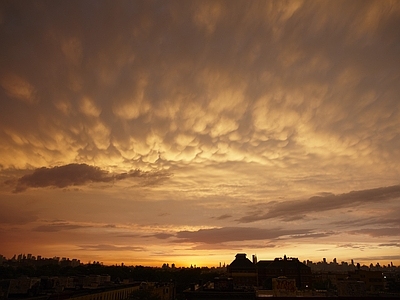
x: 284, y: 287
x: 243, y: 271
x: 23, y: 286
x: 373, y: 279
x: 351, y: 288
x: 290, y: 268
x: 220, y: 288
x: 247, y: 273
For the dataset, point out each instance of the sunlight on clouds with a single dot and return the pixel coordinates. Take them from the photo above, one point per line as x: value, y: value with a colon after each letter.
x: 207, y: 15
x: 131, y: 109
x: 63, y: 106
x: 184, y: 140
x: 16, y: 138
x: 110, y: 70
x: 151, y: 157
x: 98, y: 133
x: 72, y: 49
x: 290, y: 56
x: 235, y: 136
x: 188, y: 154
x: 273, y: 118
x: 18, y: 87
x: 326, y: 145
x: 223, y: 126
x: 202, y: 123
x: 140, y: 147
x: 168, y: 109
x: 319, y: 63
x: 226, y: 99
x: 89, y: 108
x: 193, y: 117
x: 369, y: 21
x: 178, y: 116
x: 349, y: 78
x: 133, y: 105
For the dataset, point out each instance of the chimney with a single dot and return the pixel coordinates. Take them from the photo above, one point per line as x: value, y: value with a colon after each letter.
x: 254, y: 259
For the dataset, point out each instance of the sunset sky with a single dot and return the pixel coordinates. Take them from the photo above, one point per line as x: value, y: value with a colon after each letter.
x: 151, y: 132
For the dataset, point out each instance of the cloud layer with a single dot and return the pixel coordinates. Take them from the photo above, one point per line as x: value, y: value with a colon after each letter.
x: 282, y: 114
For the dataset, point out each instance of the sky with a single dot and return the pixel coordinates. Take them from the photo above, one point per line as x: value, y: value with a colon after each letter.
x: 151, y: 132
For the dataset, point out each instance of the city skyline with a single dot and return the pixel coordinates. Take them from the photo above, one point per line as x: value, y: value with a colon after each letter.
x: 323, y: 265
x: 147, y: 132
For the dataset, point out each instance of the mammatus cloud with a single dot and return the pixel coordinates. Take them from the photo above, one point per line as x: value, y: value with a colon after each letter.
x: 18, y: 88
x: 228, y: 96
x: 296, y: 209
x: 81, y: 174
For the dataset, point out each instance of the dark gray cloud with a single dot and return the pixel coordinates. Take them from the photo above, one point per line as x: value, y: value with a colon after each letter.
x: 231, y: 246
x: 378, y: 258
x: 110, y: 226
x: 164, y: 214
x: 58, y: 226
x: 128, y: 235
x: 378, y: 232
x: 223, y: 217
x: 107, y: 247
x: 161, y: 235
x: 390, y: 245
x: 293, y: 210
x: 234, y: 234
x: 352, y: 246
x: 62, y: 176
x: 309, y: 235
x: 81, y: 174
x: 388, y: 219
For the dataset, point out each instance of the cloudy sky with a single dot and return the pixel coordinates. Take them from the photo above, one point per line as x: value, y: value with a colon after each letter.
x: 185, y: 132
